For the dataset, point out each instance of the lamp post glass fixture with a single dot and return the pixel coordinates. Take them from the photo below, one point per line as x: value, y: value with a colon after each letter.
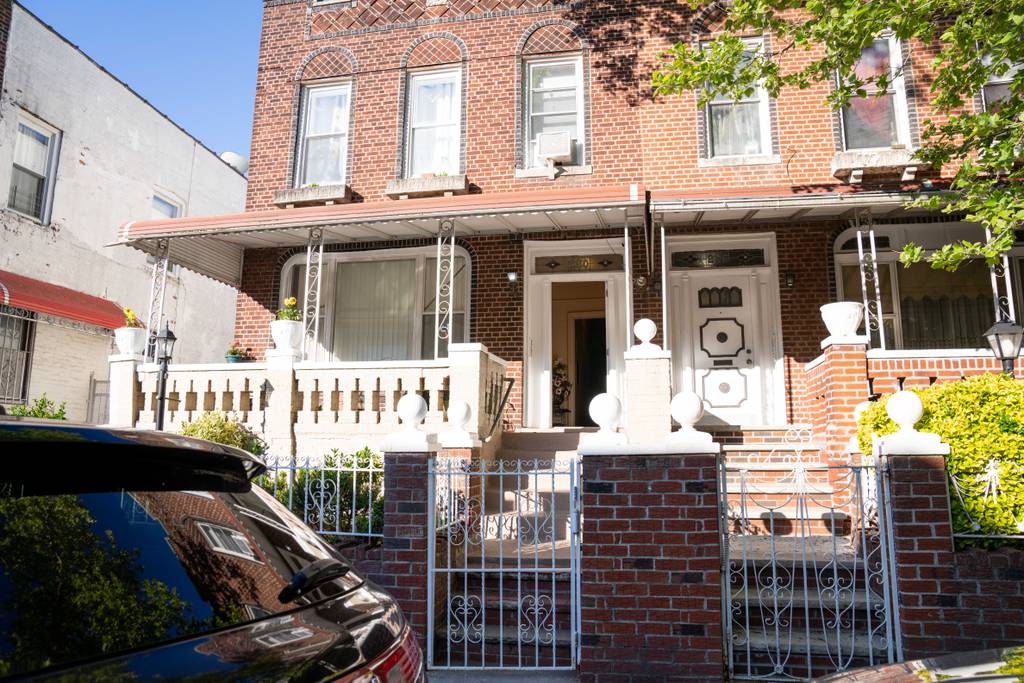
x: 1005, y: 338
x: 164, y: 349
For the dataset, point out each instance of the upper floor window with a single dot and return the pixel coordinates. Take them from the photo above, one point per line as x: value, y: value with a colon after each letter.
x: 880, y: 119
x: 434, y: 123
x: 740, y: 128
x: 35, y: 168
x: 164, y: 208
x: 323, y: 149
x: 998, y: 87
x: 554, y: 105
x: 226, y: 540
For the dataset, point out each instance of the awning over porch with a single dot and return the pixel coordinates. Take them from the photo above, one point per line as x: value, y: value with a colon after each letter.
x: 213, y: 245
x: 34, y: 295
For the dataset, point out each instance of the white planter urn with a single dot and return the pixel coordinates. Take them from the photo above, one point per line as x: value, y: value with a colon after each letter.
x: 287, y: 334
x: 842, y: 318
x: 131, y: 341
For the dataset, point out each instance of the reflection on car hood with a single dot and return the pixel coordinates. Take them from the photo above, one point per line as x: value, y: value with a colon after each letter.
x: 1001, y: 665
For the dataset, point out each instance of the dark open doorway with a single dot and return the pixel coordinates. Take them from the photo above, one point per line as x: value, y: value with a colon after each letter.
x: 591, y: 366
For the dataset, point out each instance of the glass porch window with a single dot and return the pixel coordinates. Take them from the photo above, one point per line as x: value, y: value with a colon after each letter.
x: 873, y: 121
x: 739, y: 128
x: 324, y: 147
x: 374, y: 310
x: 434, y: 113
x: 458, y: 317
x: 555, y: 104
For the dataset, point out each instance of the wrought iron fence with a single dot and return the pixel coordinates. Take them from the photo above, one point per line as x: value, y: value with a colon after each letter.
x: 986, y: 503
x: 338, y: 495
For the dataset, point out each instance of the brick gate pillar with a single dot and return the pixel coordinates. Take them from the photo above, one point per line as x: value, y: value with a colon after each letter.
x: 651, y: 565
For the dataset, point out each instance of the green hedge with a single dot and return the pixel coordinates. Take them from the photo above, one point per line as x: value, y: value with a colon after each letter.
x: 220, y: 428
x: 981, y: 418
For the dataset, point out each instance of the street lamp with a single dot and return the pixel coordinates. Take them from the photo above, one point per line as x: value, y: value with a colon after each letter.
x: 164, y: 348
x: 1005, y: 338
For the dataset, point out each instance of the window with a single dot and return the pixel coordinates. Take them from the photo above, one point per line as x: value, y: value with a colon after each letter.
x: 554, y: 104
x: 379, y: 306
x: 164, y: 208
x: 434, y: 123
x: 282, y: 637
x: 16, y: 340
x: 35, y: 164
x: 323, y: 150
x: 740, y: 128
x: 878, y: 120
x: 226, y: 540
x: 998, y: 87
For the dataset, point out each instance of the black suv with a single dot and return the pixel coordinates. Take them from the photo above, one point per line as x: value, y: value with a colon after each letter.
x: 130, y: 555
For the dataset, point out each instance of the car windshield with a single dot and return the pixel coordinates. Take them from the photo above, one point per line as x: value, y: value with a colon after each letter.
x: 87, y: 574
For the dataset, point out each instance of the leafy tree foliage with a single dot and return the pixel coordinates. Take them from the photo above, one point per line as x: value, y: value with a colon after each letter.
x: 971, y: 40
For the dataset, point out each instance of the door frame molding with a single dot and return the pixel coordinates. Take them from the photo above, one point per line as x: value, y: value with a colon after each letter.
x: 768, y: 312
x: 537, y: 289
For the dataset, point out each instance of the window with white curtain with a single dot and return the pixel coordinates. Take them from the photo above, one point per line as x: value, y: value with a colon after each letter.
x: 998, y: 87
x: 740, y: 128
x: 34, y: 169
x: 381, y: 305
x: 554, y: 103
x: 323, y: 149
x: 434, y: 121
x: 880, y: 119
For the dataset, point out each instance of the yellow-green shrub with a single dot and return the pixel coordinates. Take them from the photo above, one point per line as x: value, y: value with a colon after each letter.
x: 981, y: 418
x: 219, y: 428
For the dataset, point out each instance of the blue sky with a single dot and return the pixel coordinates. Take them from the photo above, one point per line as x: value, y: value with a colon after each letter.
x: 194, y: 60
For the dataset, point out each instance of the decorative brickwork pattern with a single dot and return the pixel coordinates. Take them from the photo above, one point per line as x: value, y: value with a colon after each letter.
x: 949, y: 601
x: 552, y: 38
x: 328, y: 62
x: 368, y: 14
x: 434, y: 51
x: 651, y: 569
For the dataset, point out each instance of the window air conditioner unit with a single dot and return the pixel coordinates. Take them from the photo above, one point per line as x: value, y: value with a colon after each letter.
x: 555, y: 148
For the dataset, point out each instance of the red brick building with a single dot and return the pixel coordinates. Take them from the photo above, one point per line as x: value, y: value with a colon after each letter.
x: 522, y: 142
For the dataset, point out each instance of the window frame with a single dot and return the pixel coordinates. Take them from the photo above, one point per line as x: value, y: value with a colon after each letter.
x: 888, y: 259
x: 54, y: 136
x: 410, y: 98
x: 328, y: 294
x: 580, y: 149
x: 28, y: 337
x: 159, y: 197
x: 900, y: 106
x: 214, y: 543
x: 301, y: 155
x: 1004, y: 78
x: 764, y: 116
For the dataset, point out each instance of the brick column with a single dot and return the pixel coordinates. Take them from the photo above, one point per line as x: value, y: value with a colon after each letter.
x: 651, y: 568
x: 842, y: 383
x: 403, y: 556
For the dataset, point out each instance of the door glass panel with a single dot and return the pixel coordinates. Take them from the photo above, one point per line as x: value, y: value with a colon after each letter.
x: 374, y: 310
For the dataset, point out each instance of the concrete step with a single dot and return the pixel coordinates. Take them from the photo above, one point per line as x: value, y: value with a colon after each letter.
x: 561, y: 439
x: 790, y: 551
x: 752, y: 599
x: 796, y: 642
x: 525, y: 456
x: 561, y: 638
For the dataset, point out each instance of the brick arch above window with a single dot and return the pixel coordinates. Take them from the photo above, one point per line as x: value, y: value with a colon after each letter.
x: 551, y: 36
x: 327, y: 62
x: 433, y: 49
x: 706, y: 20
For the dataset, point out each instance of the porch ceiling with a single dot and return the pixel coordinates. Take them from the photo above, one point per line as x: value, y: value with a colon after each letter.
x: 779, y: 205
x: 213, y: 245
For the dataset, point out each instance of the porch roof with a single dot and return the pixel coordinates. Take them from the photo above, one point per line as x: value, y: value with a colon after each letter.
x: 784, y: 203
x: 213, y: 245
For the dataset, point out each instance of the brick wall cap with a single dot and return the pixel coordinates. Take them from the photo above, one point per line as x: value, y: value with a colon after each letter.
x: 633, y: 450
x: 853, y: 340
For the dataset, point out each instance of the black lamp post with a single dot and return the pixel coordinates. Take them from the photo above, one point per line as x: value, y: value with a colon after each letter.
x: 1005, y: 338
x: 164, y: 348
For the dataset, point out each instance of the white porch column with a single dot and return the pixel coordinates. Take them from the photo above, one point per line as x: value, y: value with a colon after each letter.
x: 627, y: 261
x: 444, y: 289
x: 157, y: 287
x: 279, y: 414
x: 869, y: 280
x: 311, y: 293
x: 648, y: 388
x: 125, y: 399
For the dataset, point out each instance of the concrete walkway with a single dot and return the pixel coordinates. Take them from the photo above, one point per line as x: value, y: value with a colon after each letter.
x: 502, y: 676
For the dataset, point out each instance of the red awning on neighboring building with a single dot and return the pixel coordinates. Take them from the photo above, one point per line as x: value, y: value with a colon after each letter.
x: 42, y: 297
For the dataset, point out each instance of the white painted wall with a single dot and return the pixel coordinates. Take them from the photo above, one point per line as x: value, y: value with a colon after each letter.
x: 65, y: 359
x: 116, y: 150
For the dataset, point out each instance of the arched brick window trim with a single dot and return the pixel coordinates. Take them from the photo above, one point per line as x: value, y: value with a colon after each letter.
x: 321, y: 64
x: 551, y: 36
x: 431, y: 49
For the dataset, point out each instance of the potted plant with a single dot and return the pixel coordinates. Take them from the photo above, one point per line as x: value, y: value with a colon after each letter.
x: 286, y: 328
x: 131, y: 338
x: 237, y: 355
x: 561, y: 387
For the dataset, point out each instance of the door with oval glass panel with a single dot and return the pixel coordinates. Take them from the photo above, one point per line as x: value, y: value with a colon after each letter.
x: 726, y: 345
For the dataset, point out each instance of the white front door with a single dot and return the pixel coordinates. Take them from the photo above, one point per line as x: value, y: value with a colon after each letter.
x: 727, y: 352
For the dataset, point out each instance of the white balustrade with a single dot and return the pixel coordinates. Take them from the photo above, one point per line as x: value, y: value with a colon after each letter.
x: 232, y: 388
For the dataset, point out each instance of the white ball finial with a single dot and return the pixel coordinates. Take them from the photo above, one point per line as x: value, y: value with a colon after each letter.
x: 458, y: 414
x: 411, y: 410
x: 687, y: 408
x: 604, y: 411
x: 645, y: 330
x: 905, y: 409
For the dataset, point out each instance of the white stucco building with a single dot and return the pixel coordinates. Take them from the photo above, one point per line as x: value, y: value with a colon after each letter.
x: 81, y: 153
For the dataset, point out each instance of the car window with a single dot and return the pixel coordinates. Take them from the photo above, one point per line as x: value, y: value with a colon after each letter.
x: 91, y: 574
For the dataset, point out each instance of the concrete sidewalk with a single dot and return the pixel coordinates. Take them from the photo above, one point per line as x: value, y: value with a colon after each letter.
x: 502, y: 676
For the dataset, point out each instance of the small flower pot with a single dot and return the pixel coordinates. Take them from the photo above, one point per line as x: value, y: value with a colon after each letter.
x: 287, y: 334
x: 842, y: 318
x: 131, y: 341
x: 234, y: 359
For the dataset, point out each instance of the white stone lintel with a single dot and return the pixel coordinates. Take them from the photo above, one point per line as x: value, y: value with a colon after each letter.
x: 852, y: 340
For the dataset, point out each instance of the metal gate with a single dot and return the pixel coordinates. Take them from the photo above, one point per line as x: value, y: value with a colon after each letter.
x: 504, y: 564
x: 807, y: 570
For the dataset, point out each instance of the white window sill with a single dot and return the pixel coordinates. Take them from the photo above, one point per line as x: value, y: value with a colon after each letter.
x: 743, y: 160
x: 545, y: 172
x: 313, y: 196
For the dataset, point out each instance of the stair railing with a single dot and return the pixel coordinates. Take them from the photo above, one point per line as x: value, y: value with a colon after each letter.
x: 509, y: 382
